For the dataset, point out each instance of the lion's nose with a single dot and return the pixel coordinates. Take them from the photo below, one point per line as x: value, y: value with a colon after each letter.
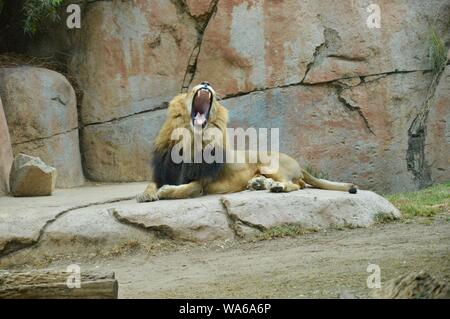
x: 204, y: 83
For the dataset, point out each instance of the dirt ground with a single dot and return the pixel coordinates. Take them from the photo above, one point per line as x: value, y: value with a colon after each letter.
x: 317, y: 265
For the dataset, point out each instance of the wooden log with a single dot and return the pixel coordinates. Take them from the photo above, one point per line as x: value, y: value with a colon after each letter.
x: 50, y: 284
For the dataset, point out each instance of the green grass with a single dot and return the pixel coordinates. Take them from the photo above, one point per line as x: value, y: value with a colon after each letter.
x: 438, y: 52
x: 424, y: 203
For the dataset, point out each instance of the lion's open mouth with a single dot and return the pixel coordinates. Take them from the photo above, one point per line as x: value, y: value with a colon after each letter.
x: 201, y: 105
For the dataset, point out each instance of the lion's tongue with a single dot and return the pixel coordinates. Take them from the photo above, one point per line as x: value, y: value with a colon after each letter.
x: 200, y: 105
x: 201, y: 101
x: 199, y: 119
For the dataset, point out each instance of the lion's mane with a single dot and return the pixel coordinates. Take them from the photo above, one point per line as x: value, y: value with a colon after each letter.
x: 165, y: 171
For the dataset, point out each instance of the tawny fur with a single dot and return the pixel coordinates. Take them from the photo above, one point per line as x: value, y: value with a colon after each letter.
x: 178, y: 117
x: 234, y: 177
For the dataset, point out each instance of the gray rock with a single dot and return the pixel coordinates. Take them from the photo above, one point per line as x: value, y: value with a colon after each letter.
x: 24, y: 220
x: 352, y: 123
x: 30, y: 176
x: 415, y: 285
x: 309, y: 208
x: 120, y: 151
x: 41, y: 111
x: 248, y: 47
x: 200, y: 219
x: 346, y: 137
x: 94, y: 220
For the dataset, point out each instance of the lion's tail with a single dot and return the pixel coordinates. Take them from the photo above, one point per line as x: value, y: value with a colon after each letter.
x: 325, y: 184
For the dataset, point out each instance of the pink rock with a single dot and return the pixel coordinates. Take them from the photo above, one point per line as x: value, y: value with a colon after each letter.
x: 133, y: 58
x: 198, y: 8
x: 259, y: 44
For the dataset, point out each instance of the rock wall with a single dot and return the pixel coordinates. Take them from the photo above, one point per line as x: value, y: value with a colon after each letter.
x: 41, y: 111
x: 342, y: 94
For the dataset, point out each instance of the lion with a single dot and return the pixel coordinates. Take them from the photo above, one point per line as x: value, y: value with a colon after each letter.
x: 196, y: 111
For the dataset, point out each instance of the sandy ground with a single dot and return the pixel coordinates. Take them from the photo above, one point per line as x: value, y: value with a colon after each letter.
x: 318, y: 265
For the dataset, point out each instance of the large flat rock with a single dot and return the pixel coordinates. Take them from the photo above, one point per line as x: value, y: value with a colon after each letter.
x: 309, y: 208
x: 23, y: 220
x: 200, y: 219
x: 96, y: 219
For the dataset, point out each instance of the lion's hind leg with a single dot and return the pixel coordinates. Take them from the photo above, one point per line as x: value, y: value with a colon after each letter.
x: 284, y: 187
x: 259, y: 182
x: 287, y: 177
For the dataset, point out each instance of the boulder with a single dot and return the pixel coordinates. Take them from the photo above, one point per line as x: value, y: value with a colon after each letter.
x: 201, y: 219
x: 311, y: 209
x: 106, y: 218
x: 30, y: 176
x: 250, y: 212
x: 6, y: 155
x: 416, y: 285
x: 24, y: 220
x: 40, y: 108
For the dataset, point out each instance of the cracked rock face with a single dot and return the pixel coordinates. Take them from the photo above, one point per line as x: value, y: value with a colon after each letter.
x: 40, y: 108
x: 25, y: 221
x: 30, y: 176
x: 247, y: 213
x: 416, y: 285
x: 6, y: 156
x: 202, y: 219
x: 258, y: 44
x: 350, y: 131
x: 343, y: 95
x: 133, y: 57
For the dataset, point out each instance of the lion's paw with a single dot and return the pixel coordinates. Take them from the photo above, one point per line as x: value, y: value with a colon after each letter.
x: 259, y: 183
x: 146, y: 197
x: 277, y: 187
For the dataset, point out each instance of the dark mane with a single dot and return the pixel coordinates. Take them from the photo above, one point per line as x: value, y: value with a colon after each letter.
x: 166, y: 172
